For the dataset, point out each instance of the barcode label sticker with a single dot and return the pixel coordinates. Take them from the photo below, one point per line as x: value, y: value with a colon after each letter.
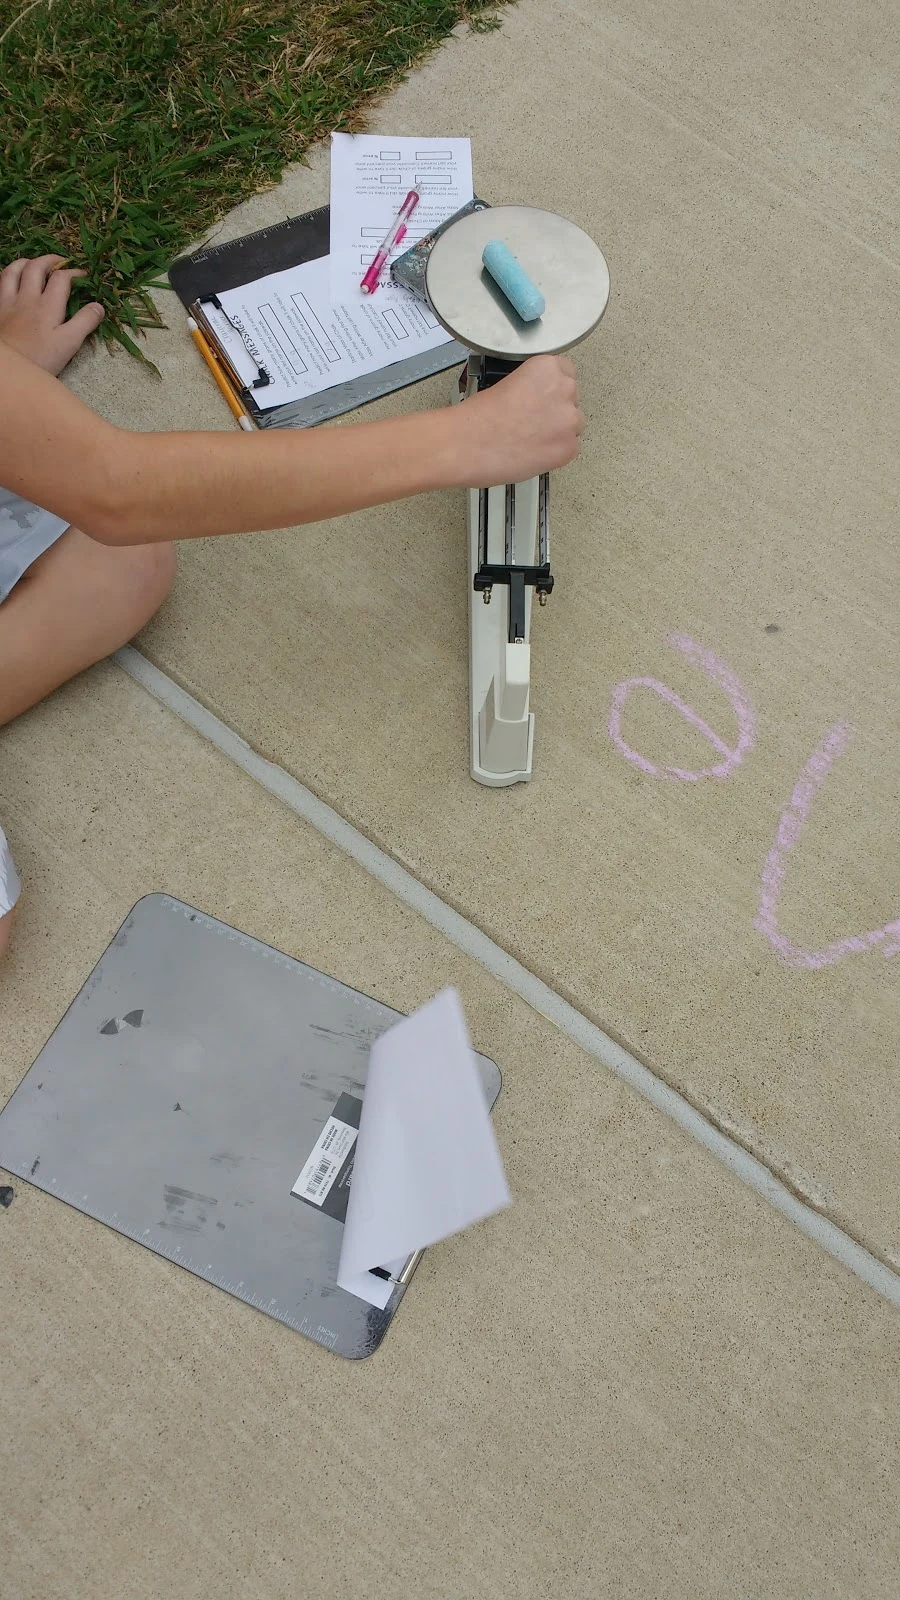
x: 328, y: 1156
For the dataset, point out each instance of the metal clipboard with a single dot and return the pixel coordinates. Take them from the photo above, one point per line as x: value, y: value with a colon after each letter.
x: 179, y: 1098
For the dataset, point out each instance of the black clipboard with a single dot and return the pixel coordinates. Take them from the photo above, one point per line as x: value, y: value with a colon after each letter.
x: 205, y: 274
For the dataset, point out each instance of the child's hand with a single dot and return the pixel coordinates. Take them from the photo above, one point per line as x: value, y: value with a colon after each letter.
x: 528, y: 423
x: 34, y: 296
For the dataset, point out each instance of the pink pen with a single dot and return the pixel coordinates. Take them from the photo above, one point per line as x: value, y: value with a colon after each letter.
x: 395, y: 233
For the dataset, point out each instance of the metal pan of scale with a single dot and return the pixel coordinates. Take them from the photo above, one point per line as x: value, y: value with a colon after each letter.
x: 560, y: 259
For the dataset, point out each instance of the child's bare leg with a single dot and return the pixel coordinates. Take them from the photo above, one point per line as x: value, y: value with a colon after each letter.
x: 76, y: 604
x: 80, y: 600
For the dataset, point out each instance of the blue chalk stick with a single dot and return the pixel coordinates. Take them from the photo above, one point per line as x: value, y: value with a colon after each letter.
x: 509, y: 276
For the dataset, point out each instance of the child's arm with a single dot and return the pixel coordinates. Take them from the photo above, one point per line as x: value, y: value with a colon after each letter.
x: 133, y: 488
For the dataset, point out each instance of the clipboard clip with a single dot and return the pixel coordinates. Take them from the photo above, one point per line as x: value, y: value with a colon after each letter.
x: 402, y: 1277
x: 263, y: 378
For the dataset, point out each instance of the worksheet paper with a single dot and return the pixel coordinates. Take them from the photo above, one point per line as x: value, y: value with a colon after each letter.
x: 289, y: 329
x: 427, y: 1162
x: 371, y: 175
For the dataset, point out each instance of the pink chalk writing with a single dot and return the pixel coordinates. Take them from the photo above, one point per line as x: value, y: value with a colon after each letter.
x: 793, y: 821
x: 794, y: 817
x: 726, y: 680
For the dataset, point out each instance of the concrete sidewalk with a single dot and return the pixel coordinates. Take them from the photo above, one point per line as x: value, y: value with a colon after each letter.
x: 739, y: 486
x: 653, y: 1385
x: 638, y: 1381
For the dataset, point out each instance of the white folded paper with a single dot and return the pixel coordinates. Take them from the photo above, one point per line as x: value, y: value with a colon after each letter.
x: 427, y: 1163
x: 371, y: 175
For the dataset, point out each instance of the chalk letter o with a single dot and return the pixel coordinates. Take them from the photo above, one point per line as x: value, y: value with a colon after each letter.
x: 726, y: 680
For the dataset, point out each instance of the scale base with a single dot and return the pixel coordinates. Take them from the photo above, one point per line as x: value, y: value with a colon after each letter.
x: 502, y: 724
x: 502, y: 527
x: 509, y: 538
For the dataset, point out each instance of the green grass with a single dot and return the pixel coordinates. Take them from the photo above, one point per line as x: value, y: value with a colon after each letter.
x: 128, y: 127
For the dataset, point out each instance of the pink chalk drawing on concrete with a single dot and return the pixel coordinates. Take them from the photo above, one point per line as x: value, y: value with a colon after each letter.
x: 726, y: 680
x: 793, y: 821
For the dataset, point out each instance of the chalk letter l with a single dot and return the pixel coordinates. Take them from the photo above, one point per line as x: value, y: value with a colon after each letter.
x: 793, y: 821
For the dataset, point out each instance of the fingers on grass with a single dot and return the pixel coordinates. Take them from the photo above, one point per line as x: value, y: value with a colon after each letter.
x: 10, y: 278
x: 80, y: 327
x: 59, y: 287
x: 36, y: 273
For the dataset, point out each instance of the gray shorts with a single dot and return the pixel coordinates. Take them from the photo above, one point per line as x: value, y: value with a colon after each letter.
x: 10, y: 887
x: 25, y: 533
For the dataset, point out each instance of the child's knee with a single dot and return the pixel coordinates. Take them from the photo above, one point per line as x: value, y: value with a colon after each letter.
x: 161, y: 566
x: 6, y: 927
x: 150, y: 575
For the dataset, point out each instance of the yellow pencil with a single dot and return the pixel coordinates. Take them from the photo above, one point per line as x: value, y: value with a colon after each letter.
x: 234, y: 403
